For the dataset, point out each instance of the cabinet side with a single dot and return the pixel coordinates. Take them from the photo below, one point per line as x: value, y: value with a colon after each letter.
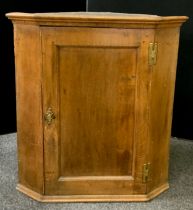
x: 161, y: 105
x: 28, y: 64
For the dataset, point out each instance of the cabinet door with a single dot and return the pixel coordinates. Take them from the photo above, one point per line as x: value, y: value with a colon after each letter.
x: 95, y: 81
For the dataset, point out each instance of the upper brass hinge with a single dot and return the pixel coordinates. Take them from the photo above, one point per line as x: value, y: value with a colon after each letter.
x: 153, y: 47
x: 146, y: 172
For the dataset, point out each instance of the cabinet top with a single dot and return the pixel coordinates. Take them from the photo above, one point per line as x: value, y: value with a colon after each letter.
x: 99, y: 19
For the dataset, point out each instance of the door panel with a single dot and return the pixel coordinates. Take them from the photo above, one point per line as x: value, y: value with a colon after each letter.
x: 91, y: 84
x: 97, y: 92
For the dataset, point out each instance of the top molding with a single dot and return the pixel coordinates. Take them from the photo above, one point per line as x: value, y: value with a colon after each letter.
x: 96, y: 19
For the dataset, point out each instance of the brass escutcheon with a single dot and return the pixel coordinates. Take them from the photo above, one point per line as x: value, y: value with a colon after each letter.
x: 49, y: 116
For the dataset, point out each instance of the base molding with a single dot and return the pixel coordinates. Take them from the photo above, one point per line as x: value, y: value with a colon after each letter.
x: 92, y: 198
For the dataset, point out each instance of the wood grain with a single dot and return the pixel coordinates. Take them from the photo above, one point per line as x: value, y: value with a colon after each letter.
x: 93, y: 198
x: 162, y: 94
x: 97, y: 119
x: 112, y: 109
x: 94, y: 92
x: 29, y: 106
x: 99, y: 19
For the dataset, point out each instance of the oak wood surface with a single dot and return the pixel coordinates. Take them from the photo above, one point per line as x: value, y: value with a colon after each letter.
x: 93, y: 198
x: 161, y: 104
x: 100, y: 19
x: 113, y: 110
x: 95, y: 86
x: 29, y: 106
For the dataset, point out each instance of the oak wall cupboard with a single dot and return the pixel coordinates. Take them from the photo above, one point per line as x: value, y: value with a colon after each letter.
x: 94, y: 104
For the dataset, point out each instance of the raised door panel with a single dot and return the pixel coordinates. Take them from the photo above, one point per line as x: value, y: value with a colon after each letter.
x: 91, y: 83
x: 96, y: 117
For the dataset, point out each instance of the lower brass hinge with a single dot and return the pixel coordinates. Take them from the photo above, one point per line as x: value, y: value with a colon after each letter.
x: 146, y: 172
x: 153, y: 47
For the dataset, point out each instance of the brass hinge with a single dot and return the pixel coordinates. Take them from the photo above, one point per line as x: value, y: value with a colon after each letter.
x: 146, y: 172
x: 153, y: 47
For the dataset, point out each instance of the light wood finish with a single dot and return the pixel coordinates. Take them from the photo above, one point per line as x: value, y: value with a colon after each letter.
x: 29, y: 106
x: 101, y: 19
x: 92, y: 83
x: 112, y: 110
x: 162, y: 79
x: 93, y: 198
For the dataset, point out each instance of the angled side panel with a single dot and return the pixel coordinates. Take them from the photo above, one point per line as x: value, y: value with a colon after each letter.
x: 29, y: 110
x: 161, y: 104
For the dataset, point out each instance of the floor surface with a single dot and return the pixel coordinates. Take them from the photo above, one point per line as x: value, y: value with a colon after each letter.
x: 178, y: 197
